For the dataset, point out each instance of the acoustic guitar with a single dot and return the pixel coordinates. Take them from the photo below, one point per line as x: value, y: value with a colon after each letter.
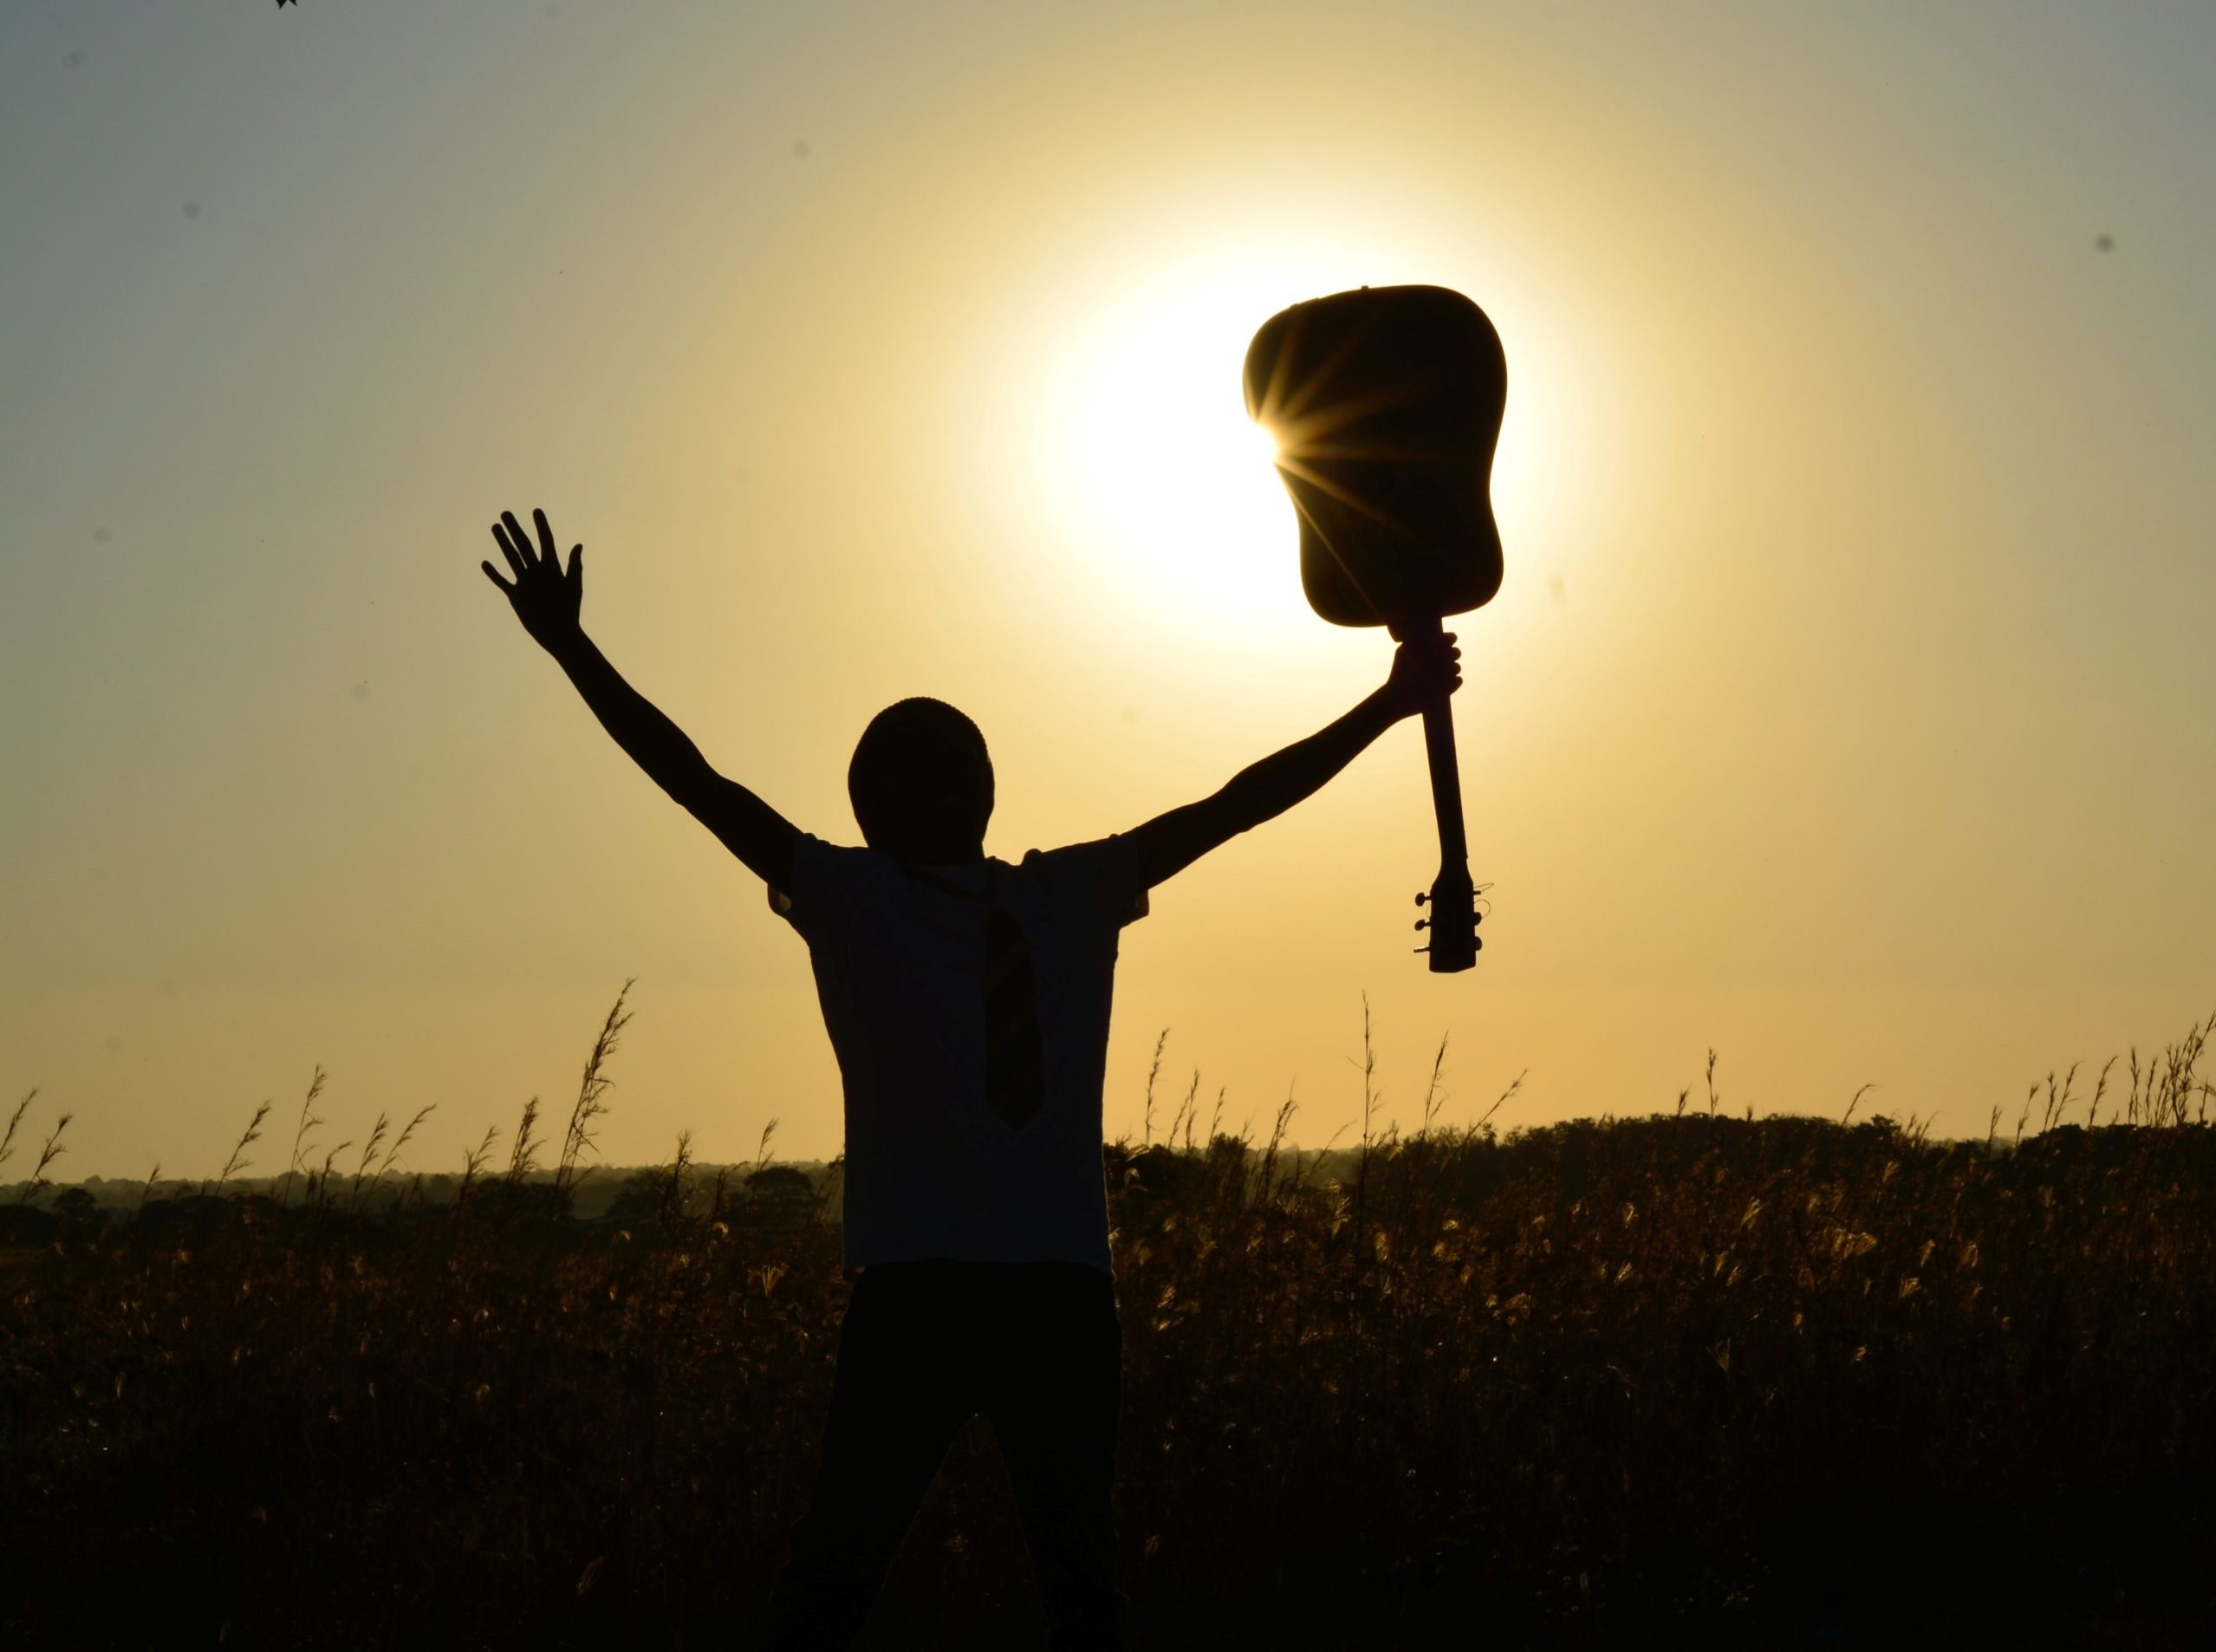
x: 1386, y: 405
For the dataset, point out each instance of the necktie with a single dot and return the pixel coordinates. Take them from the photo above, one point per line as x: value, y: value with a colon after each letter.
x: 1015, y: 1063
x: 1014, y: 1060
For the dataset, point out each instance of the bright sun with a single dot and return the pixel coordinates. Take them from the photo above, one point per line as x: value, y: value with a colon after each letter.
x: 1164, y: 461
x: 1142, y: 447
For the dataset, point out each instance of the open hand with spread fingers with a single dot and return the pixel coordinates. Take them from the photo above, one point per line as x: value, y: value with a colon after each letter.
x: 545, y: 599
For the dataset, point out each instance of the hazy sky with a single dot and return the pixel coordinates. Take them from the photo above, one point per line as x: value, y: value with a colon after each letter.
x: 1849, y: 705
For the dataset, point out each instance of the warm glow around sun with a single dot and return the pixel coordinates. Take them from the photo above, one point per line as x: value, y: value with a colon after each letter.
x: 1132, y: 469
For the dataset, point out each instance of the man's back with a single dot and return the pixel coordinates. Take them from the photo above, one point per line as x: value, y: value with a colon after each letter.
x: 901, y: 959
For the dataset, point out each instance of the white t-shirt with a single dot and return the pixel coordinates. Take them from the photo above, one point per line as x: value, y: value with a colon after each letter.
x: 932, y: 1170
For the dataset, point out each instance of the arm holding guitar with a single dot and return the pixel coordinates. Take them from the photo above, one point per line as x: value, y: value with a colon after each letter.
x: 547, y: 601
x: 1424, y: 667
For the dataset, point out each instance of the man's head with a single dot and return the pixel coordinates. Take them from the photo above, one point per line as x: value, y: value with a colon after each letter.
x: 921, y: 783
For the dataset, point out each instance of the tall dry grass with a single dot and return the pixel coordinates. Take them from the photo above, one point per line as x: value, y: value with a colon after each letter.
x: 1690, y: 1379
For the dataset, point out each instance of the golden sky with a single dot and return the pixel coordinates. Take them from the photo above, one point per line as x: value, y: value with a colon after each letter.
x: 1849, y: 706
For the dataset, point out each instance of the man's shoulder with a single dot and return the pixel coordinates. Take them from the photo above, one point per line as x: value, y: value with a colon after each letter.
x: 808, y: 844
x: 1097, y: 857
x: 1100, y: 874
x: 826, y: 876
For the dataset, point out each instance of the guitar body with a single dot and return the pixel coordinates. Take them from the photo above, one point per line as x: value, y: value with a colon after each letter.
x: 1385, y: 404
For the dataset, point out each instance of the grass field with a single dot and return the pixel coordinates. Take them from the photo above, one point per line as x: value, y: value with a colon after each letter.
x: 1688, y: 1380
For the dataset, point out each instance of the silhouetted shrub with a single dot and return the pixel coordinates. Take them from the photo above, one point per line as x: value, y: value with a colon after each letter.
x: 1689, y: 1380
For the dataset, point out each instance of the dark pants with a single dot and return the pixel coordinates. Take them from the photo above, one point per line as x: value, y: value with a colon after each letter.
x: 924, y: 1347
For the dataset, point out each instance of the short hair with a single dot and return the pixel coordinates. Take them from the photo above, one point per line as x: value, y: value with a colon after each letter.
x: 921, y: 774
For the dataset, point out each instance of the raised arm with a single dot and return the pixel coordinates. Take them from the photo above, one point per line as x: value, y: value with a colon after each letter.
x: 1168, y: 843
x: 547, y: 601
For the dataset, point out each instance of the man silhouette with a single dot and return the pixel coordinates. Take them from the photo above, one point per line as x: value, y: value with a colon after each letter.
x: 967, y: 1000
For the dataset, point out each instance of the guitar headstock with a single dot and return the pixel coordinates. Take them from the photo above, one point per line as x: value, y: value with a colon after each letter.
x: 1453, y: 921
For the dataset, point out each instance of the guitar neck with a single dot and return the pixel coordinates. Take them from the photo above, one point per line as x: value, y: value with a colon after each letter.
x: 1453, y: 920
x: 1445, y: 779
x: 1446, y: 787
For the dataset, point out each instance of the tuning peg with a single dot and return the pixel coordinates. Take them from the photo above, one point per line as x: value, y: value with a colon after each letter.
x: 1418, y: 949
x: 1422, y: 923
x: 1421, y: 897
